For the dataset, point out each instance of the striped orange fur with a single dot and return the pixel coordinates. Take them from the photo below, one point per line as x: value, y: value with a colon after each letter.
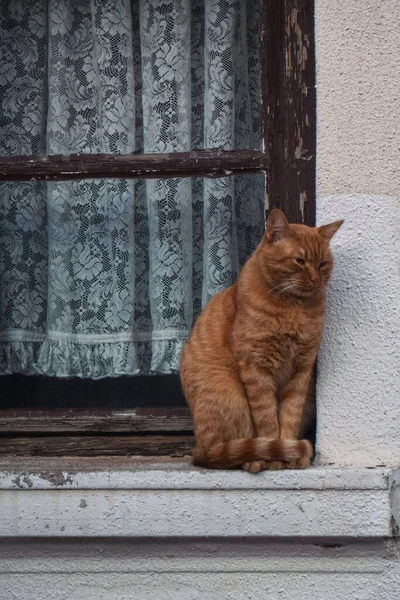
x: 247, y: 367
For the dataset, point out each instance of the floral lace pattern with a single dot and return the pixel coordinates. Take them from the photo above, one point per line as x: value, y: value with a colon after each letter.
x: 105, y: 277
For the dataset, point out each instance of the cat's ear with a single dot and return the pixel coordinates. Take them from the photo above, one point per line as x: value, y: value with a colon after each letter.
x: 277, y: 226
x: 328, y: 231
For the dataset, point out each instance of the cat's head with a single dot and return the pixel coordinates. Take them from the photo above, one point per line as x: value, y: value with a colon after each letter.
x: 297, y: 258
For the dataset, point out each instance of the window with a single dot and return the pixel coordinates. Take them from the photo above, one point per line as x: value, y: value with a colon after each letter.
x: 274, y: 136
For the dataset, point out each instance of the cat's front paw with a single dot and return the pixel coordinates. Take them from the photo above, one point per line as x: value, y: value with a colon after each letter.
x: 255, y: 466
x: 300, y: 463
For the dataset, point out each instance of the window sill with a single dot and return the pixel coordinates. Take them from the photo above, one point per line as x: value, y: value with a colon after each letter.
x: 120, y: 498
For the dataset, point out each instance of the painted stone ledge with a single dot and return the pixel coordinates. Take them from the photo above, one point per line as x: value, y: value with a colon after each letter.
x: 173, y: 500
x: 358, y: 386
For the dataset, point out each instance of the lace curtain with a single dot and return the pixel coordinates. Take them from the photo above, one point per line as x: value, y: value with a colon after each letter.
x: 105, y: 277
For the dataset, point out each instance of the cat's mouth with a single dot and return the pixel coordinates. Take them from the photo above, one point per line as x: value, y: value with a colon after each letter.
x: 307, y: 291
x: 296, y: 290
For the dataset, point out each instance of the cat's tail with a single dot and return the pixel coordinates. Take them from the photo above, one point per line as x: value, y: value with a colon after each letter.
x: 234, y: 453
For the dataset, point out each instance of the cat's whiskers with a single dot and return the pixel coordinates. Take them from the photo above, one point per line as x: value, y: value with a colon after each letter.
x: 276, y: 289
x: 289, y: 287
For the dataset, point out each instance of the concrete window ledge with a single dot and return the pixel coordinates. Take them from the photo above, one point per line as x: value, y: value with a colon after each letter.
x: 127, y: 498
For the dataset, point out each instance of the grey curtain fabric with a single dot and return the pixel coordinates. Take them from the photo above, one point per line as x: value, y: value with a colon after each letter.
x: 105, y: 277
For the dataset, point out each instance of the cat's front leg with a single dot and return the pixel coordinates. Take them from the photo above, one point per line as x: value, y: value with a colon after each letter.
x: 291, y: 410
x: 262, y: 398
x: 263, y: 403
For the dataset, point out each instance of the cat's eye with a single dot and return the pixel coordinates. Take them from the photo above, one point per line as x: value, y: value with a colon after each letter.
x: 300, y: 261
x: 322, y: 264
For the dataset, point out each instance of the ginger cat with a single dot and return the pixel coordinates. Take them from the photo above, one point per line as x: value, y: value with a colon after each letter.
x: 246, y: 370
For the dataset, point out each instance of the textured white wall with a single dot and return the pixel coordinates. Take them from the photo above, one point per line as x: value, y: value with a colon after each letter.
x: 214, y: 570
x: 316, y: 508
x: 358, y: 388
x: 173, y: 500
x: 358, y: 179
x: 358, y: 102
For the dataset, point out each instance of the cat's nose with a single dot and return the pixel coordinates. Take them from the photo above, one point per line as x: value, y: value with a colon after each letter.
x: 314, y: 277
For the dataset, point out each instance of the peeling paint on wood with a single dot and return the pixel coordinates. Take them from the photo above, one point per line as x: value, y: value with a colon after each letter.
x: 289, y: 107
x: 201, y: 163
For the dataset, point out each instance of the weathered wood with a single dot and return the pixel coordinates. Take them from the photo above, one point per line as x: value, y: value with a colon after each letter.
x: 97, y: 446
x: 266, y: 95
x: 76, y: 422
x: 201, y: 163
x: 289, y: 106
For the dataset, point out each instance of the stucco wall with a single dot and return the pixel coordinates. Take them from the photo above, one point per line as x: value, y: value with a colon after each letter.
x: 358, y: 179
x: 358, y: 97
x: 207, y: 570
x: 358, y: 387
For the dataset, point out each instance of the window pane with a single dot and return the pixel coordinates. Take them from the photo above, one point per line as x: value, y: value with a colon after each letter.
x: 116, y: 77
x: 105, y: 278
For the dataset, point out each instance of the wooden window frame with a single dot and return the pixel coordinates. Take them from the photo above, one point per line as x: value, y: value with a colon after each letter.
x: 287, y: 158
